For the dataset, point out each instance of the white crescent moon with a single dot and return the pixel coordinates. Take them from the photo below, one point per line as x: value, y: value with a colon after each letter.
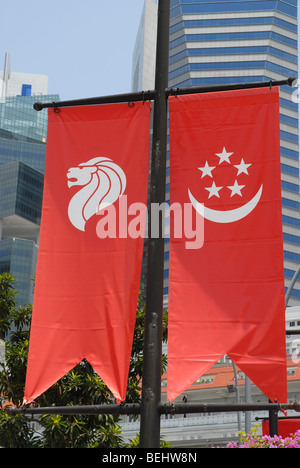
x: 226, y: 216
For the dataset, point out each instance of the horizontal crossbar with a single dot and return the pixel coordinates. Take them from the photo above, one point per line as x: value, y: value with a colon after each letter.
x: 135, y: 408
x: 150, y: 95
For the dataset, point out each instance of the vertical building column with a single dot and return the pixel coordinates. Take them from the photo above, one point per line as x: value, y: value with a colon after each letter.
x: 6, y: 73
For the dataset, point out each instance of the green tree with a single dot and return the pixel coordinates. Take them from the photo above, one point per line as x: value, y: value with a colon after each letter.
x: 81, y: 386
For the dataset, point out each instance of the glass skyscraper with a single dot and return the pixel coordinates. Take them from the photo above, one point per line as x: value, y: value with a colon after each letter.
x: 239, y: 41
x: 23, y: 134
x: 23, y: 131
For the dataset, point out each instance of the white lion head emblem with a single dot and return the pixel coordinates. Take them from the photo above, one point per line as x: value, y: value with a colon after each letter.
x: 102, y: 181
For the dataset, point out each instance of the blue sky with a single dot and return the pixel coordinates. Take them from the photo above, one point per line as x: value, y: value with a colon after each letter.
x: 84, y: 47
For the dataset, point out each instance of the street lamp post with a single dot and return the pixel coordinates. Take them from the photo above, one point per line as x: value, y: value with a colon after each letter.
x: 151, y: 384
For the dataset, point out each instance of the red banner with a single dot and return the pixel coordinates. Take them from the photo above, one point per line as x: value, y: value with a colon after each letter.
x: 89, y: 265
x: 227, y: 297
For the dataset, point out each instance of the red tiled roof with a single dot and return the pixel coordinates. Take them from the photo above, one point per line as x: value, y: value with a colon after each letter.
x: 223, y: 375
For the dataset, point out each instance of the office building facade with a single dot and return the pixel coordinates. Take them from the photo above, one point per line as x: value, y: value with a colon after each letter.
x: 21, y: 84
x: 23, y: 134
x: 240, y: 41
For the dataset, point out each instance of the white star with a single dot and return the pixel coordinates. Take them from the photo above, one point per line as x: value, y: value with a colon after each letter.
x: 224, y: 156
x: 242, y: 167
x: 235, y: 189
x: 213, y: 190
x: 206, y: 170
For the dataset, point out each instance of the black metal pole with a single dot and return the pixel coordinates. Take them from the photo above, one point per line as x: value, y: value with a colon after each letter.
x: 229, y: 87
x: 151, y: 383
x: 168, y: 409
x: 116, y: 98
x: 150, y: 95
x: 196, y: 407
x: 273, y: 422
x: 128, y: 409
